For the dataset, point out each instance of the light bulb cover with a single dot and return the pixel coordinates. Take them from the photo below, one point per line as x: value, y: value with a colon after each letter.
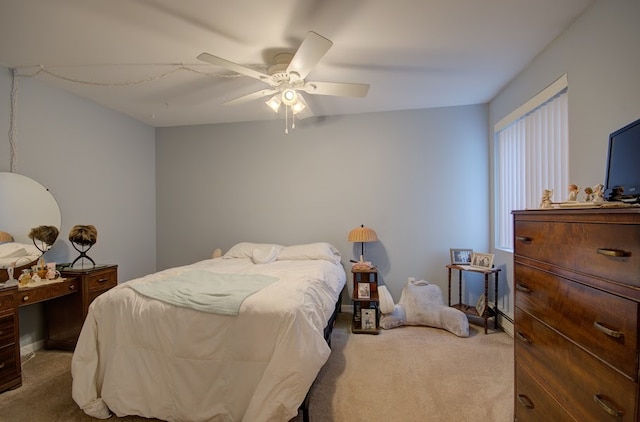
x: 289, y: 96
x: 274, y: 103
x: 297, y: 107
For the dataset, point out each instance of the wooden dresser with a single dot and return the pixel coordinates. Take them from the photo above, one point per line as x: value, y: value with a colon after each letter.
x: 10, y: 371
x: 577, y: 295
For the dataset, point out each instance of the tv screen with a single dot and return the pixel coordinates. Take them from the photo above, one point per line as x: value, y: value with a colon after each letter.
x: 622, y: 181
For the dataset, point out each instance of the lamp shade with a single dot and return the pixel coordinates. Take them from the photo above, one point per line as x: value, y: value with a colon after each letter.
x: 362, y: 234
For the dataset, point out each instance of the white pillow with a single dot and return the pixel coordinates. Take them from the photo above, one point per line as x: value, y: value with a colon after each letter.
x: 265, y: 254
x: 319, y: 250
x: 245, y: 249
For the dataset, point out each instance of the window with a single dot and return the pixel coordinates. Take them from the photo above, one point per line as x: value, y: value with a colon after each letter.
x: 532, y: 154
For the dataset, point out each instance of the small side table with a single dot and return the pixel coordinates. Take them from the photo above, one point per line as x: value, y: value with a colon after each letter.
x: 366, y: 315
x: 471, y: 310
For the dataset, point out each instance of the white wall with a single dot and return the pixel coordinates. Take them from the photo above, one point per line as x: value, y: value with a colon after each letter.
x: 418, y: 178
x: 601, y: 55
x: 100, y: 167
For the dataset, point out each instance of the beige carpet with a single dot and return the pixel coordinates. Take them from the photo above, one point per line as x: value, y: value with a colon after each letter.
x: 406, y: 374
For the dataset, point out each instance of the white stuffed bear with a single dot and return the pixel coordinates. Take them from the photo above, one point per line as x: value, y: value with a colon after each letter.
x: 421, y: 303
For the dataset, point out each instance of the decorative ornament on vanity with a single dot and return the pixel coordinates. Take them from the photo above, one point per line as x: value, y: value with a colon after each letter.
x: 83, y: 237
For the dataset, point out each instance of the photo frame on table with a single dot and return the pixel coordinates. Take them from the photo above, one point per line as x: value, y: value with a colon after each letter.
x: 461, y: 256
x: 482, y: 260
x: 368, y: 319
x: 364, y: 291
x: 481, y: 306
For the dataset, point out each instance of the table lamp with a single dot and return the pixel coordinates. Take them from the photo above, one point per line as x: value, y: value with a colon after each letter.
x: 362, y: 234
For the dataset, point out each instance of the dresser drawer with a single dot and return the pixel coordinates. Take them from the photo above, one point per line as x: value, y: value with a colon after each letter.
x: 103, y: 280
x: 610, y: 251
x: 533, y: 403
x: 8, y: 364
x: 6, y: 300
x: 582, y: 384
x: 7, y: 330
x: 47, y: 291
x: 605, y: 324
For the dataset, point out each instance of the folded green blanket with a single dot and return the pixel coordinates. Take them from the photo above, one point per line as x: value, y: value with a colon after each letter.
x: 205, y: 291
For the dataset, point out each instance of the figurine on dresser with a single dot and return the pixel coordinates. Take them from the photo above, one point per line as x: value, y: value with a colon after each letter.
x: 545, y: 202
x: 573, y: 193
x: 589, y: 194
x: 598, y: 193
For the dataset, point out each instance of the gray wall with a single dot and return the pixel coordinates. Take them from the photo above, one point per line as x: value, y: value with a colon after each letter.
x: 100, y: 167
x: 601, y: 55
x: 418, y: 178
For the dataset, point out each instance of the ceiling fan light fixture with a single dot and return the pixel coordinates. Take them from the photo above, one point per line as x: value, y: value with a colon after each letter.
x: 297, y: 107
x: 274, y: 102
x: 289, y: 96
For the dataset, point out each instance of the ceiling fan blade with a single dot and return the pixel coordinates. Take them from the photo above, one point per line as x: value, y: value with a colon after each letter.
x: 309, y: 54
x: 218, y: 61
x: 336, y: 88
x: 252, y: 96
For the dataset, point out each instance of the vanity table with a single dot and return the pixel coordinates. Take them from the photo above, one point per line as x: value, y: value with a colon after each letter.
x: 66, y: 301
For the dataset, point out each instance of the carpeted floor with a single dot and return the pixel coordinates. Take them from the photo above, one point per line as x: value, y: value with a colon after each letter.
x: 406, y: 374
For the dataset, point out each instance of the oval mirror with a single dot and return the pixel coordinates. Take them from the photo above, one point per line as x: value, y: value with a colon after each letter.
x: 25, y: 204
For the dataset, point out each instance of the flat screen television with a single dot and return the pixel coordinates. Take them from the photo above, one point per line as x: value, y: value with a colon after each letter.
x: 622, y: 180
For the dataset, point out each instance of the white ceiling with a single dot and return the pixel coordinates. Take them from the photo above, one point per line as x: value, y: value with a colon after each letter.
x: 413, y: 53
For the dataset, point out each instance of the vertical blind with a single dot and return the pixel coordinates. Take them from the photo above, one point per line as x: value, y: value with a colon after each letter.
x: 532, y: 154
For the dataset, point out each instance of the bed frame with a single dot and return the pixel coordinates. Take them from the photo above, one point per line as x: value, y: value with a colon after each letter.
x: 304, y: 407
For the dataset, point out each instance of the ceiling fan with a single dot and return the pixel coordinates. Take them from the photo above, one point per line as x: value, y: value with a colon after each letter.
x: 286, y: 76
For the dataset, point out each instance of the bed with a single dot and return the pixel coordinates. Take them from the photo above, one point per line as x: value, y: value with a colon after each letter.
x: 139, y: 353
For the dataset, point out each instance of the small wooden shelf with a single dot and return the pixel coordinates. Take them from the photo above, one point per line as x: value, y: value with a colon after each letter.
x: 365, y: 299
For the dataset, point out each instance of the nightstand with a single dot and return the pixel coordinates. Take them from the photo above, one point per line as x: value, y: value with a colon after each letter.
x: 366, y: 314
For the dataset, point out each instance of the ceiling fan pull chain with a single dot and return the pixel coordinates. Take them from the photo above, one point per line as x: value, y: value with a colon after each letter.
x: 286, y: 120
x: 293, y: 119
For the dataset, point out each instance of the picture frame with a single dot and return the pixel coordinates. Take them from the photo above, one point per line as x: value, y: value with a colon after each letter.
x: 461, y: 256
x: 364, y: 290
x: 481, y: 305
x: 368, y: 319
x: 482, y: 260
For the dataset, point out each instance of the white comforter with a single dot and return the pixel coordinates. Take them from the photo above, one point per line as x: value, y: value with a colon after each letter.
x: 139, y: 356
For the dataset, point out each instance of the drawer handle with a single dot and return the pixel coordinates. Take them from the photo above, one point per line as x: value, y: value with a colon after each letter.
x: 614, y: 252
x: 601, y: 400
x: 525, y: 401
x: 25, y: 298
x: 607, y: 331
x: 523, y: 338
x: 522, y: 288
x: 102, y: 280
x: 72, y: 287
x: 524, y: 238
x: 1, y: 365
